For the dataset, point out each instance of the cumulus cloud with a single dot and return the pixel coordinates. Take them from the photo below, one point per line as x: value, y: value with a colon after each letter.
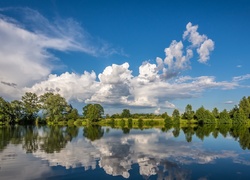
x: 117, y: 85
x: 178, y: 56
x: 204, y: 50
x: 201, y: 42
x: 26, y: 65
x: 70, y: 85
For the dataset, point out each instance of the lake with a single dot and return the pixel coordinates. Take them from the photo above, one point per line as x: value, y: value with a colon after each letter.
x: 31, y: 152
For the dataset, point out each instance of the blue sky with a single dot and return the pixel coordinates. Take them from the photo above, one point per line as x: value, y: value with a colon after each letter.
x: 147, y: 56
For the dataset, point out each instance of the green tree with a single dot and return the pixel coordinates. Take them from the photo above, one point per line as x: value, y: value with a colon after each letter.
x: 167, y: 118
x: 215, y: 112
x: 224, y: 117
x: 54, y: 106
x: 5, y: 111
x: 204, y: 116
x: 93, y: 112
x: 189, y: 113
x: 17, y: 110
x: 31, y: 107
x: 232, y: 111
x: 176, y: 116
x: 72, y: 113
x: 245, y: 106
x: 125, y: 113
x: 239, y: 117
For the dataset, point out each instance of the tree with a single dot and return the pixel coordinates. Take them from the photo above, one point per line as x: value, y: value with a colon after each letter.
x: 125, y: 113
x: 215, y: 112
x: 189, y: 113
x: 93, y: 112
x: 245, y: 106
x: 73, y: 114
x: 17, y: 110
x: 232, y: 111
x: 5, y: 111
x: 204, y: 116
x: 54, y: 106
x: 31, y: 106
x: 224, y: 117
x: 239, y: 117
x: 176, y: 116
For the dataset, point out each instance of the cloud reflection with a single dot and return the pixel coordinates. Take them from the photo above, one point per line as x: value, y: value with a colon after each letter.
x: 151, y: 150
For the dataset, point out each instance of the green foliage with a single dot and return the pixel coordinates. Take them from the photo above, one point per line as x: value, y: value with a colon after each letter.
x: 78, y: 122
x: 125, y: 113
x: 130, y: 123
x: 93, y: 112
x: 215, y: 112
x: 140, y: 123
x: 54, y: 107
x: 93, y: 132
x: 189, y: 113
x: 204, y: 116
x: 224, y: 117
x: 167, y: 119
x: 239, y: 117
x: 176, y: 116
x: 232, y: 111
x: 5, y: 111
x: 122, y: 123
x: 245, y: 106
x: 73, y: 114
x: 30, y: 102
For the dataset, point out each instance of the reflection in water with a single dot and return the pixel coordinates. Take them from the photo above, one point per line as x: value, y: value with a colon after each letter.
x: 155, y: 152
x: 93, y: 132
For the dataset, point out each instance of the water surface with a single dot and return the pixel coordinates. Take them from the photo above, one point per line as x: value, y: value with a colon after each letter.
x: 105, y: 153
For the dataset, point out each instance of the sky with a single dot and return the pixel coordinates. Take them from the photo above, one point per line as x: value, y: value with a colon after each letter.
x: 145, y: 56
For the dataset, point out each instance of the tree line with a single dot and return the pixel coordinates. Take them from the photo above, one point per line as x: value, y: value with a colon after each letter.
x: 239, y: 114
x: 48, y: 107
x: 53, y: 108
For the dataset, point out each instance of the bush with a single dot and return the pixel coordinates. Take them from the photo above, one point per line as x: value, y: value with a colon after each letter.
x: 78, y: 122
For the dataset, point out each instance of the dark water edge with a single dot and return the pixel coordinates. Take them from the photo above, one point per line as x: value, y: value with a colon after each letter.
x: 94, y: 152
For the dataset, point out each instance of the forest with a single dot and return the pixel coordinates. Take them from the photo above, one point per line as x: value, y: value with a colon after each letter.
x: 51, y: 108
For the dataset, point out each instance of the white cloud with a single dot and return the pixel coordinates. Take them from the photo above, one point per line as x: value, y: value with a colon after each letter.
x: 241, y: 78
x: 175, y: 58
x: 26, y: 64
x: 157, y: 111
x: 25, y: 57
x: 169, y: 105
x: 229, y: 102
x: 201, y: 42
x: 204, y: 50
x: 117, y: 86
x: 116, y: 154
x: 70, y: 85
x: 193, y: 36
x: 12, y: 156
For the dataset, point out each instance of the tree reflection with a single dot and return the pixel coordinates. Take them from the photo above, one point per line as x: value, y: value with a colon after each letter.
x: 11, y: 134
x: 71, y: 132
x: 31, y: 139
x: 189, y: 132
x: 93, y: 132
x: 53, y: 140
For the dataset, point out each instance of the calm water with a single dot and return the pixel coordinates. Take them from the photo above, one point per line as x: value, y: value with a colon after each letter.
x: 105, y: 153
